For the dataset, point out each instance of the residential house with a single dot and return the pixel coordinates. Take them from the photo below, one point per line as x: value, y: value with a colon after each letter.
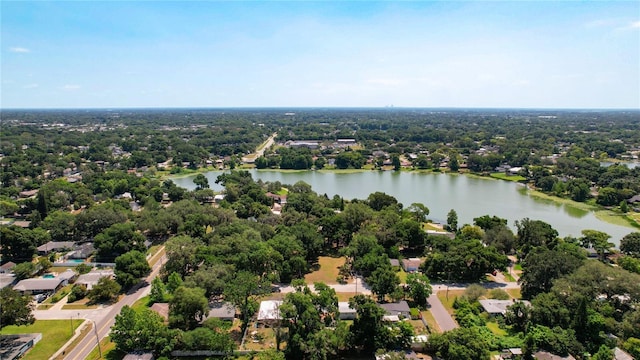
x: 269, y: 312
x: 55, y: 246
x: 162, y: 309
x: 91, y: 278
x: 496, y: 307
x: 222, y: 311
x: 15, y: 346
x: 28, y: 193
x: 82, y: 251
x: 396, y: 310
x: 394, y: 262
x: 66, y: 277
x: 411, y: 264
x: 346, y: 311
x: 6, y: 267
x: 7, y: 280
x: 419, y: 342
x: 511, y: 354
x: 38, y: 286
x: 619, y: 354
x: 544, y: 355
x: 139, y: 356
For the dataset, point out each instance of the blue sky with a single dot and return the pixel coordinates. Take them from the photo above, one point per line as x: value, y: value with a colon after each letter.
x: 544, y: 54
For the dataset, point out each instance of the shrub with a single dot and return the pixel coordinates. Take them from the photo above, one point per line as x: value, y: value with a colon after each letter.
x: 474, y: 292
x: 77, y: 292
x: 415, y: 313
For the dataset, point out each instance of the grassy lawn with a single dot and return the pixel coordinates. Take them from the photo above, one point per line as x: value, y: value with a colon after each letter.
x: 327, y: 272
x: 448, y: 303
x: 515, y: 293
x: 141, y: 304
x: 44, y: 307
x: 261, y: 339
x: 402, y: 275
x: 431, y: 321
x: 418, y: 327
x: 503, y: 176
x: 55, y: 333
x: 431, y: 226
x: 509, y: 277
x: 517, y: 267
x: 495, y: 328
x: 109, y: 351
x: 58, y: 295
x: 78, y: 306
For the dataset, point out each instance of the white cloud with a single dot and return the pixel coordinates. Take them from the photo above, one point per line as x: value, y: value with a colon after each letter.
x: 19, y: 50
x: 70, y: 87
x: 386, y: 81
x: 635, y: 25
x: 30, y: 86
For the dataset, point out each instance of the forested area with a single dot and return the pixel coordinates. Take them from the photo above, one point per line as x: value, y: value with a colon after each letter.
x: 236, y: 249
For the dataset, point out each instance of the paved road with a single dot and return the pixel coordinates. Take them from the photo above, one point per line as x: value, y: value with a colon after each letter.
x: 443, y: 319
x: 358, y: 286
x: 104, y: 319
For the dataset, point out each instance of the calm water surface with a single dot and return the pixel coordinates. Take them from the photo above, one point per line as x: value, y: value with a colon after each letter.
x: 470, y: 197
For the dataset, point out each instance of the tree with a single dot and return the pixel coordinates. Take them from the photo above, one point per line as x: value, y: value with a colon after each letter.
x: 501, y: 238
x: 24, y: 270
x: 598, y: 241
x: 117, y: 240
x: 181, y: 255
x: 204, y: 338
x: 542, y: 266
x: 630, y: 244
x: 242, y: 291
x: 419, y: 212
x: 452, y: 220
x: 144, y: 330
x: 487, y: 222
x: 518, y: 316
x: 367, y: 332
x: 188, y: 308
x: 130, y: 268
x: 460, y: 343
x: 158, y: 291
x: 419, y: 289
x: 534, y: 233
x: 15, y: 308
x: 395, y: 161
x: 383, y: 281
x: 379, y: 200
x: 201, y: 182
x: 17, y: 245
x: 106, y: 290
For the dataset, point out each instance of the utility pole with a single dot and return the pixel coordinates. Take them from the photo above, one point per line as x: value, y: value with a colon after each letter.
x: 95, y: 330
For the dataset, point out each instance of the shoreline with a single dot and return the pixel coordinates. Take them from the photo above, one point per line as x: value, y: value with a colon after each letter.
x: 608, y: 216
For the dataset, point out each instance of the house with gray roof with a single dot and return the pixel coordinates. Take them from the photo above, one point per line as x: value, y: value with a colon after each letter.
x: 222, y: 311
x: 498, y: 307
x: 399, y: 309
x: 91, y: 278
x: 38, y: 286
x: 346, y: 311
x: 56, y: 246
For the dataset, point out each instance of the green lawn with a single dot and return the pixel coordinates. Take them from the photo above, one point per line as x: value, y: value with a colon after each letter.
x: 431, y: 321
x: 503, y: 176
x: 55, y: 333
x: 448, y: 301
x: 141, y: 304
x: 509, y: 277
x: 495, y: 328
x: 327, y: 272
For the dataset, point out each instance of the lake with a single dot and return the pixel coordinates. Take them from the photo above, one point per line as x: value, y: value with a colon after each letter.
x: 469, y: 196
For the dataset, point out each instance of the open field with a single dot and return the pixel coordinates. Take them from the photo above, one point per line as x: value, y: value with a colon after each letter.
x: 495, y: 328
x: 55, y: 333
x: 327, y: 272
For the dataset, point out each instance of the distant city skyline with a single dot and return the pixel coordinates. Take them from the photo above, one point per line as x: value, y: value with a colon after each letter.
x: 146, y: 54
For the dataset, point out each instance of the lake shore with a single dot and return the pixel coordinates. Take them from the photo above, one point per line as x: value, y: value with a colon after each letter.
x: 606, y: 215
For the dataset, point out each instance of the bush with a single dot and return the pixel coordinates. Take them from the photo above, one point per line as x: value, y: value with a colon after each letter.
x: 415, y: 313
x: 77, y: 292
x: 474, y: 292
